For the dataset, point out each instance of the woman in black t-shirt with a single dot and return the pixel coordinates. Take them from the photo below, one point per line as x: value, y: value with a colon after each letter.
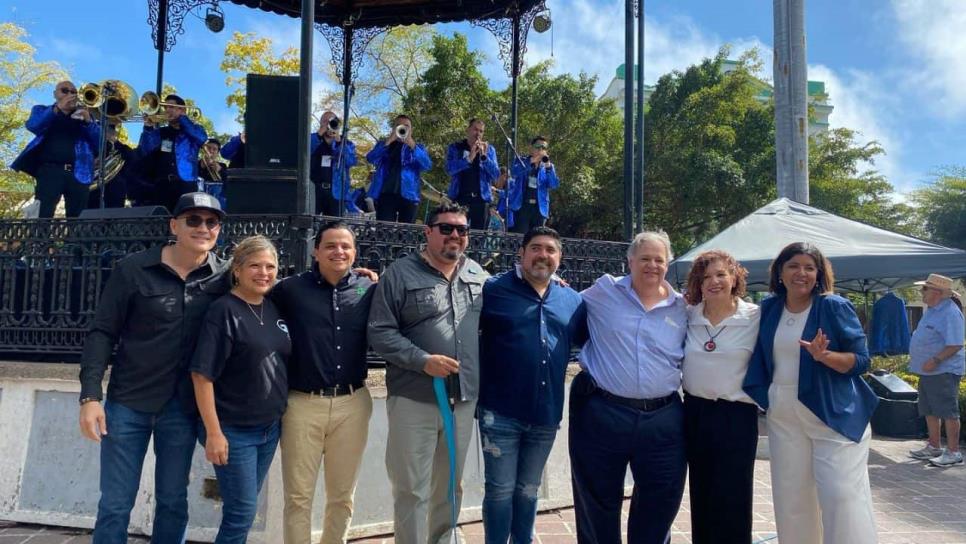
x: 239, y: 375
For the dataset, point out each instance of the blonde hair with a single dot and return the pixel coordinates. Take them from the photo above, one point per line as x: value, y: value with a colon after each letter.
x: 249, y: 247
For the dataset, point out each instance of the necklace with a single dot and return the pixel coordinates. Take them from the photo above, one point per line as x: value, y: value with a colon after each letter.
x: 710, y: 345
x: 261, y: 312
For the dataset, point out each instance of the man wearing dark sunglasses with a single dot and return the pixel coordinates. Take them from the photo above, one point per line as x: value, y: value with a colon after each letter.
x: 151, y: 310
x: 530, y: 188
x: 424, y: 321
x: 61, y: 155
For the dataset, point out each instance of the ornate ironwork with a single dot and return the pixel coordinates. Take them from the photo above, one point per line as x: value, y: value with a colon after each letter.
x: 361, y: 38
x: 52, y: 272
x: 502, y: 30
x: 177, y: 9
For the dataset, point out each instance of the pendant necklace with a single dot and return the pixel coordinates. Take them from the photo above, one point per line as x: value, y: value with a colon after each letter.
x: 710, y: 345
x: 261, y: 312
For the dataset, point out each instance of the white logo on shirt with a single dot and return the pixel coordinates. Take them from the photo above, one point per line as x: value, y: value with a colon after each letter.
x: 282, y: 326
x: 669, y: 321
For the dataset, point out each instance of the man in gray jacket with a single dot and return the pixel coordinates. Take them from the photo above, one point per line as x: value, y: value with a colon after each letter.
x: 423, y: 321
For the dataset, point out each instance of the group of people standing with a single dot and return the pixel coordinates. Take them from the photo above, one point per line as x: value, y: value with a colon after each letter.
x: 219, y: 353
x: 175, y: 156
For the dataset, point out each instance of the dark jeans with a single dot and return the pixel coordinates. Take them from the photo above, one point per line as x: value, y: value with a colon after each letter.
x: 325, y: 203
x: 53, y: 182
x: 394, y: 207
x: 722, y: 438
x: 514, y: 455
x: 114, y: 194
x: 478, y: 211
x: 604, y: 438
x: 250, y: 453
x: 122, y: 456
x: 527, y: 217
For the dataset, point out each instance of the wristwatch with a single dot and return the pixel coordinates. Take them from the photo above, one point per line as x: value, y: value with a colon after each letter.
x: 85, y: 400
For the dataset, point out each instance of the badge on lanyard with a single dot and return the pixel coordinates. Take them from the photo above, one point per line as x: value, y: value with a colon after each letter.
x: 166, y: 146
x: 466, y: 154
x: 326, y: 161
x: 532, y: 183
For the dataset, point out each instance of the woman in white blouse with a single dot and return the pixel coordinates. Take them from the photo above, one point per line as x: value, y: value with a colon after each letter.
x: 721, y: 421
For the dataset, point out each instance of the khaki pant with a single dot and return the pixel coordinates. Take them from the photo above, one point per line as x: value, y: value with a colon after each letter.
x: 819, y: 478
x: 417, y: 462
x: 317, y: 429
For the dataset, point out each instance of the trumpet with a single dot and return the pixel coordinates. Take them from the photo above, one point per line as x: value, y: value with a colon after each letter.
x: 151, y: 106
x: 335, y: 124
x: 402, y: 132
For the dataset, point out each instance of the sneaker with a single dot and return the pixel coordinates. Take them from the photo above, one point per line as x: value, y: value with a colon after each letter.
x: 926, y: 453
x: 947, y: 459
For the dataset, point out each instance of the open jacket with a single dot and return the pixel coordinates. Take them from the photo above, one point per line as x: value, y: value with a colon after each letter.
x: 546, y: 180
x: 186, y: 145
x: 414, y: 162
x: 41, y: 117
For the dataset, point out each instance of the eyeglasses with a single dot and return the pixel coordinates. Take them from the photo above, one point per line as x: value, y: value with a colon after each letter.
x: 195, y: 221
x: 67, y: 90
x: 540, y: 145
x: 447, y: 229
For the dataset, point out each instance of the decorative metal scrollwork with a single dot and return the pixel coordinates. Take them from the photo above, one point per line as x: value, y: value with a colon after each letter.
x: 361, y: 38
x: 502, y: 30
x: 177, y: 9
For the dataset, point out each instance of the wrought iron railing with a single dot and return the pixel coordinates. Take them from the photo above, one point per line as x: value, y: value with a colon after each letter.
x: 52, y: 272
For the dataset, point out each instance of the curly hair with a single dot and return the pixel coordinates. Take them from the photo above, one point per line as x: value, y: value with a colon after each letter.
x: 701, y: 264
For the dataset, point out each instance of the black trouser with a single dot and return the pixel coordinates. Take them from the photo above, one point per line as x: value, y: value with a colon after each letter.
x: 527, y: 217
x: 477, y: 211
x: 53, y: 181
x: 607, y: 436
x: 325, y: 203
x: 114, y: 194
x: 721, y: 440
x: 395, y: 207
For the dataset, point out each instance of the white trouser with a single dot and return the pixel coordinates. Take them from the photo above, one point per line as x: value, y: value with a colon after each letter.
x: 819, y: 478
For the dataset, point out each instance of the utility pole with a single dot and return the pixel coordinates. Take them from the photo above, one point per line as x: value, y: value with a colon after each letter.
x: 791, y: 100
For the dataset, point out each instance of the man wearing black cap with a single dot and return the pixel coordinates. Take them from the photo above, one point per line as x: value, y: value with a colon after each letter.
x: 171, y: 152
x: 151, y: 310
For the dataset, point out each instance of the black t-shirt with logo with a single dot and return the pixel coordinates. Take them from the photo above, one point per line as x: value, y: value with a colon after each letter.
x: 244, y: 348
x: 323, y: 161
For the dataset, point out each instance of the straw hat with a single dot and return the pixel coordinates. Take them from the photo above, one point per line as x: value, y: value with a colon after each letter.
x: 939, y: 282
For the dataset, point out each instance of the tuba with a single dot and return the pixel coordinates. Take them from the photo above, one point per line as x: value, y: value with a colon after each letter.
x: 116, y: 97
x: 113, y: 163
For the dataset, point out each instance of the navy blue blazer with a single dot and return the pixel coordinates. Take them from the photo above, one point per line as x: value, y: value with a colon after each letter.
x: 844, y: 402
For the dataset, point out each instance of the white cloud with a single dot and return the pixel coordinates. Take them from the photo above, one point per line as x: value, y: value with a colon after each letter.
x: 861, y: 100
x: 933, y: 32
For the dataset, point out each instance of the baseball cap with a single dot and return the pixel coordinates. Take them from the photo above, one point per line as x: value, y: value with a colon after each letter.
x: 198, y: 201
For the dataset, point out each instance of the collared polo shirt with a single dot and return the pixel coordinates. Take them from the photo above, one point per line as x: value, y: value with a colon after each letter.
x: 940, y: 326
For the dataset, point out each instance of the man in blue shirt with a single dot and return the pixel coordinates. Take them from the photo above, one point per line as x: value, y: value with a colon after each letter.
x: 171, y: 152
x: 473, y: 168
x: 399, y: 162
x: 625, y: 407
x: 530, y: 188
x: 331, y: 178
x: 527, y: 327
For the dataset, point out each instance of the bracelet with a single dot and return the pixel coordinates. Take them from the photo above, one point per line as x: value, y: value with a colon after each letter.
x: 85, y: 400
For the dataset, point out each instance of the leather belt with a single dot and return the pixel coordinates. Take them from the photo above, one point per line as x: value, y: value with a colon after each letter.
x: 531, y: 201
x: 644, y: 405
x: 337, y: 390
x: 325, y: 185
x: 66, y: 167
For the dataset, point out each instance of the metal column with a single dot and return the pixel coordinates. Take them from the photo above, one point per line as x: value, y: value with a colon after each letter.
x: 302, y: 224
x: 791, y: 100
x: 628, y: 118
x: 346, y: 96
x: 161, y: 42
x: 639, y: 123
x: 514, y: 76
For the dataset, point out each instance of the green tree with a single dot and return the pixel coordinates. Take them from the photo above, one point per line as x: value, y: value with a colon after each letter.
x: 941, y: 207
x: 20, y: 75
x: 838, y: 184
x: 246, y: 53
x: 709, y: 149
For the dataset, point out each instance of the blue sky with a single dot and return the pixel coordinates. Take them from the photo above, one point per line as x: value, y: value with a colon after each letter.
x: 893, y: 69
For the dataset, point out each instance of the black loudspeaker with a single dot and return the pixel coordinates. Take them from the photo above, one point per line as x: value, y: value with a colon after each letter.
x: 124, y: 213
x: 260, y: 191
x: 271, y: 121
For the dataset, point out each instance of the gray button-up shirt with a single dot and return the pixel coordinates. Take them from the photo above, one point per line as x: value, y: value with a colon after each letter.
x: 417, y: 312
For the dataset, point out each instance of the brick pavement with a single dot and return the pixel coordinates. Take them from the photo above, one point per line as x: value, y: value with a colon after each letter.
x: 914, y: 504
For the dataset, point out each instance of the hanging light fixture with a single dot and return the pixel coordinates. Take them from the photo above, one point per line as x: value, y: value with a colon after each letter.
x: 215, y: 19
x: 542, y: 21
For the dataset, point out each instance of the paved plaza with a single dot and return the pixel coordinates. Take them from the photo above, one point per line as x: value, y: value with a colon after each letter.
x: 914, y: 504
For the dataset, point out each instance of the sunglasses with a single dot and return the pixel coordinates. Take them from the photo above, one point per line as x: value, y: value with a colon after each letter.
x: 540, y: 146
x: 446, y: 229
x: 195, y: 221
x: 67, y: 90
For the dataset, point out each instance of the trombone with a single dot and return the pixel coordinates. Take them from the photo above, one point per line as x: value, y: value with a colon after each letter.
x: 151, y: 106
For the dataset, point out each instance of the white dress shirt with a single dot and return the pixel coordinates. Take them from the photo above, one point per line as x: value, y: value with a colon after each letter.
x: 718, y: 374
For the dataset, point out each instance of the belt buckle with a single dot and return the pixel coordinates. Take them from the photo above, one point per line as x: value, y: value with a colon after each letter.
x: 68, y: 167
x: 325, y: 185
x: 531, y: 201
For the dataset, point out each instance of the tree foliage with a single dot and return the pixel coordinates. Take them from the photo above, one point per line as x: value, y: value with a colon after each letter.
x: 247, y: 53
x: 20, y: 75
x: 942, y: 207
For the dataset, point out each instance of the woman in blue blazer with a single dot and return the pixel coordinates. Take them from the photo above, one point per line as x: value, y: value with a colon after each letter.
x: 806, y: 372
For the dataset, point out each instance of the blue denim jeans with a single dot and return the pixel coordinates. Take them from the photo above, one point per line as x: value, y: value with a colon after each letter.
x: 122, y: 457
x: 250, y: 453
x: 514, y: 454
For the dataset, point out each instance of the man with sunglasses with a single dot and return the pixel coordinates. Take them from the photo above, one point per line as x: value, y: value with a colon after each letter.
x: 530, y: 188
x: 61, y: 155
x: 151, y: 309
x: 171, y: 153
x: 424, y: 322
x: 473, y: 168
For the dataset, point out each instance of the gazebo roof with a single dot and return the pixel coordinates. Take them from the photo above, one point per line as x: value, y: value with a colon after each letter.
x: 386, y: 13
